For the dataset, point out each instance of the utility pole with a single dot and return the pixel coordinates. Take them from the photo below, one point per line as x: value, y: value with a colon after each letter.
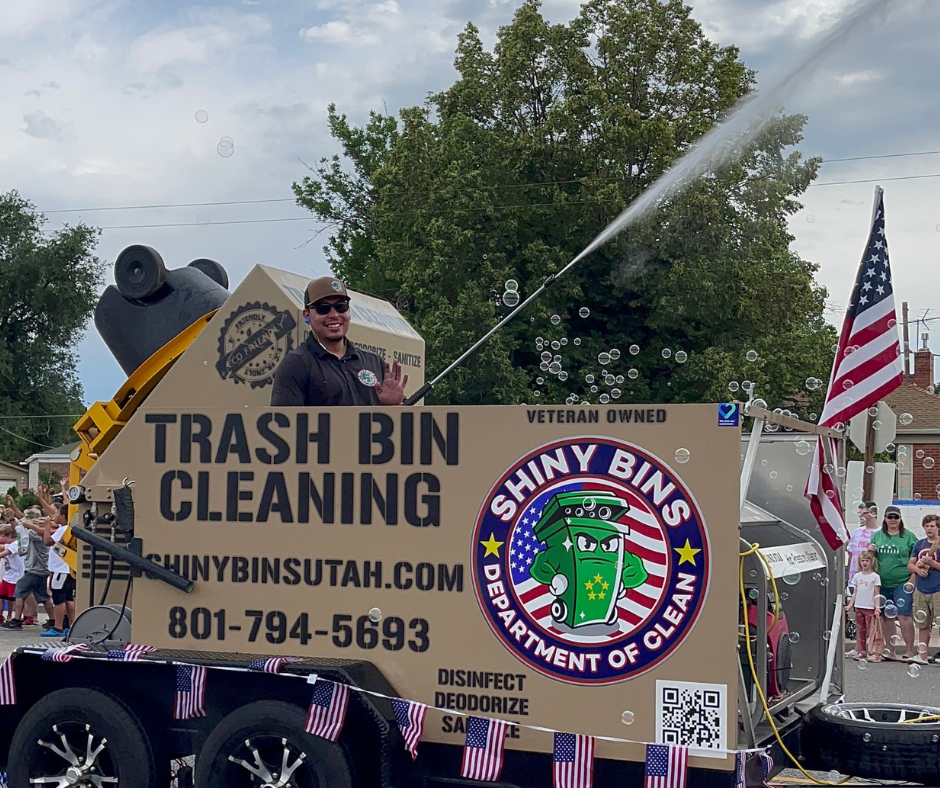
x: 907, y: 341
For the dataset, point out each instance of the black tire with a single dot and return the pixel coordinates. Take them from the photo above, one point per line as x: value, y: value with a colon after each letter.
x: 878, y: 747
x: 270, y: 726
x: 212, y: 269
x: 559, y: 610
x: 139, y: 272
x: 129, y: 753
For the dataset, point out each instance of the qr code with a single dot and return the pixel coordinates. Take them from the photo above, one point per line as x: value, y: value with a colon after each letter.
x: 692, y: 715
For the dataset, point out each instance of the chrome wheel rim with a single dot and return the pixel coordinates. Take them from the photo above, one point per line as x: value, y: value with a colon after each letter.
x: 74, y: 757
x: 882, y: 713
x: 273, y: 763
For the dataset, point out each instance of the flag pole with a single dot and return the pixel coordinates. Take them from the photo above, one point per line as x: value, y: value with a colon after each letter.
x: 868, y: 479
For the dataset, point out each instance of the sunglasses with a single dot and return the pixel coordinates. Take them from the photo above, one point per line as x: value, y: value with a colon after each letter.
x: 892, y: 517
x: 325, y: 309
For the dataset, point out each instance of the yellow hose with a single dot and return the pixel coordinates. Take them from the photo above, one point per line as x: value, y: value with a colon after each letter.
x: 750, y: 658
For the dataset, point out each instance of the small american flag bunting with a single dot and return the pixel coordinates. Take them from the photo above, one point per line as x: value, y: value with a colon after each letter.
x: 573, y: 761
x: 483, y: 749
x: 190, y: 697
x: 7, y: 683
x: 666, y: 766
x: 63, y: 654
x: 272, y: 664
x: 327, y: 711
x: 130, y: 652
x: 410, y: 718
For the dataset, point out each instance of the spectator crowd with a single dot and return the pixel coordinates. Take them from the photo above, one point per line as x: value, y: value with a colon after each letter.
x: 893, y: 587
x: 32, y: 571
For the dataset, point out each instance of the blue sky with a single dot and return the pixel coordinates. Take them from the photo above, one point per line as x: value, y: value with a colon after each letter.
x: 99, y: 104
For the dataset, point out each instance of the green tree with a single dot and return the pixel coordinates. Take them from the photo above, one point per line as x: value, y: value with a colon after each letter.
x: 48, y: 290
x: 515, y: 168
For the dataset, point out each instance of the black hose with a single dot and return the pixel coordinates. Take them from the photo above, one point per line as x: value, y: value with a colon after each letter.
x: 120, y: 617
x: 107, y: 584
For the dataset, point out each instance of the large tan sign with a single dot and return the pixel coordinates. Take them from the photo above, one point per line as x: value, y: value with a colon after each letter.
x: 573, y: 568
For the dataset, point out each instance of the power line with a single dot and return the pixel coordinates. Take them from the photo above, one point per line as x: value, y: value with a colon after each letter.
x: 28, y: 440
x: 884, y: 156
x: 198, y: 224
x: 169, y: 205
x: 46, y: 416
x: 877, y: 180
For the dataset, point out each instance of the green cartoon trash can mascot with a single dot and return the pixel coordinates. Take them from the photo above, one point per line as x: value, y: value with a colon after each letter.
x: 584, y: 562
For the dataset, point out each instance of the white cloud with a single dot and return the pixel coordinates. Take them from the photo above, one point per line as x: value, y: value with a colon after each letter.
x: 336, y: 32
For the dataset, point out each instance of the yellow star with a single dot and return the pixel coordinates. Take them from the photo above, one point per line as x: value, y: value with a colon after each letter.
x: 591, y: 596
x: 492, y: 546
x: 687, y: 554
x: 605, y: 585
x: 601, y: 595
x: 589, y: 585
x: 597, y: 578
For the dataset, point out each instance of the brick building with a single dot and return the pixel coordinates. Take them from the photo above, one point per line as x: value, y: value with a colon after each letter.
x: 56, y: 459
x: 918, y: 476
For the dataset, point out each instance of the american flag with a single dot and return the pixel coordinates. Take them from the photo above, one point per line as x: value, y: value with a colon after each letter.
x: 7, y: 683
x: 740, y: 768
x: 483, y: 750
x: 327, y: 709
x: 867, y: 367
x: 272, y: 664
x: 410, y: 718
x: 190, y: 698
x: 644, y: 540
x: 666, y: 766
x: 63, y: 654
x: 573, y: 759
x: 130, y: 652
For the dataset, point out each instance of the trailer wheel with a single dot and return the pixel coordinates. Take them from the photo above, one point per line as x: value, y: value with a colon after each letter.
x: 871, y: 740
x: 85, y: 738
x: 212, y: 269
x: 264, y: 743
x: 139, y: 271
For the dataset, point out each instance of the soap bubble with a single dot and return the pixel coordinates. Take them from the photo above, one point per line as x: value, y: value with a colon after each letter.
x: 920, y: 616
x: 556, y: 345
x: 759, y: 403
x: 634, y: 350
x: 929, y: 462
x: 544, y: 366
x: 537, y: 393
x: 556, y: 320
x: 747, y: 386
x: 921, y: 647
x: 733, y: 386
x: 827, y: 634
x: 773, y: 474
x: 803, y: 448
x: 891, y: 611
x: 577, y: 340
x: 226, y: 147
x: 866, y: 737
x: 908, y: 588
x: 913, y: 671
x: 546, y: 356
x: 615, y: 393
x: 375, y: 615
x: 540, y: 381
x: 588, y: 378
x: 791, y: 576
x: 627, y: 718
x: 789, y: 488
x: 511, y: 286
x: 511, y: 298
x: 751, y: 355
x: 614, y: 354
x: 811, y: 219
x: 619, y: 379
x: 862, y: 666
x: 603, y: 358
x: 890, y: 448
x: 203, y: 220
x: 667, y: 353
x: 794, y: 637
x: 604, y: 398
x: 682, y: 456
x: 880, y: 600
x: 563, y: 376
x: 202, y: 116
x: 817, y: 577
x: 896, y: 640
x: 919, y: 454
x: 554, y: 367
x: 584, y: 312
x: 609, y: 380
x: 633, y: 374
x: 564, y: 341
x: 681, y: 356
x: 905, y: 419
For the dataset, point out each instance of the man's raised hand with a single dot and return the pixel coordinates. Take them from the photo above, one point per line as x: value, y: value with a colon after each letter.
x: 391, y: 391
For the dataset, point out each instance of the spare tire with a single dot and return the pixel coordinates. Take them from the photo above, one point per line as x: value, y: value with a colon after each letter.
x: 871, y: 740
x: 212, y: 269
x: 139, y: 272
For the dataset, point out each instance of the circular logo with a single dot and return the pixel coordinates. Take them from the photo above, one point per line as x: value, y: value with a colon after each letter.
x: 590, y: 560
x: 368, y: 378
x: 337, y: 286
x: 253, y: 342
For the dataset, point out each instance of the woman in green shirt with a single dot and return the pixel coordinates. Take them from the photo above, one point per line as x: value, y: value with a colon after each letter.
x: 893, y: 545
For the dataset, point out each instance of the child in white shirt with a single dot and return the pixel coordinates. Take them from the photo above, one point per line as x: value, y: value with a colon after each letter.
x: 867, y: 585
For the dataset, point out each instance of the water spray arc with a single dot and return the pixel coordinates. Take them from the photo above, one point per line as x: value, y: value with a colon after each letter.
x: 746, y: 122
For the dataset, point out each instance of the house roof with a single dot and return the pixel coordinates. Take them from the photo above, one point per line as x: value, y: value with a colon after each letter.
x: 53, y: 454
x: 924, y: 407
x: 11, y: 466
